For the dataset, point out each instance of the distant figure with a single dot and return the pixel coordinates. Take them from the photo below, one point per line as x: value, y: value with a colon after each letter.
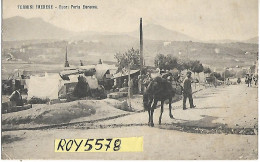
x: 187, y: 91
x: 255, y: 78
x: 140, y: 82
x: 16, y: 98
x: 249, y: 80
x: 81, y: 63
x: 238, y: 80
x: 146, y: 82
x: 228, y: 83
x: 100, y: 61
x: 158, y: 72
x: 125, y: 83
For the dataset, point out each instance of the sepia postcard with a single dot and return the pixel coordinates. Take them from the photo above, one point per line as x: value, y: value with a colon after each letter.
x: 129, y: 80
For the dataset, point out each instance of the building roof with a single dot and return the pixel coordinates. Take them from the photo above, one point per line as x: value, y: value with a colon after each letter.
x: 122, y: 73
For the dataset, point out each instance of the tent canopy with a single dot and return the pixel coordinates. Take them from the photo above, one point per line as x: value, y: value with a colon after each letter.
x: 101, y: 70
x: 48, y: 86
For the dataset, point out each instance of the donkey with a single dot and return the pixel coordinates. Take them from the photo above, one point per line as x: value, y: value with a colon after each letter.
x: 158, y: 90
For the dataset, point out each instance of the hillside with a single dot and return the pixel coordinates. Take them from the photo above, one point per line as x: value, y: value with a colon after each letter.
x: 37, y: 41
x: 217, y: 55
x: 19, y: 28
x: 158, y: 32
x: 252, y: 40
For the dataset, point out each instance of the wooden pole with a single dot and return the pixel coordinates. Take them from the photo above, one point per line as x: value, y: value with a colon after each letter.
x: 129, y: 86
x: 141, y: 46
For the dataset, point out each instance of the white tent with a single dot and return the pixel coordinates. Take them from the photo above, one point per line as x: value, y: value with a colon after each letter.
x: 101, y: 70
x: 92, y: 82
x: 49, y: 86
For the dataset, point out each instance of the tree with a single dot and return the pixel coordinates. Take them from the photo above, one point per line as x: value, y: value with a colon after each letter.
x: 166, y: 62
x: 82, y: 88
x: 207, y: 70
x: 196, y: 67
x: 160, y: 61
x: 241, y: 73
x: 252, y: 68
x: 229, y: 73
x: 217, y: 75
x: 171, y: 62
x: 186, y: 65
x: 181, y: 65
x: 128, y: 60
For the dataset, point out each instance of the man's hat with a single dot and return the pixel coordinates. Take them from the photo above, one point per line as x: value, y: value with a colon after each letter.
x: 188, y: 72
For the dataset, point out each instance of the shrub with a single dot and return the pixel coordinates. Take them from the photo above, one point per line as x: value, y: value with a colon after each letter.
x: 35, y: 100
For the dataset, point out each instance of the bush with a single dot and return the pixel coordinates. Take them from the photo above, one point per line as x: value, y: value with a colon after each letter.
x: 35, y: 100
x: 98, y: 93
x: 82, y: 88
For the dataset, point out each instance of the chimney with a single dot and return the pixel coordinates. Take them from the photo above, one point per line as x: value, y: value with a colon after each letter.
x: 66, y: 58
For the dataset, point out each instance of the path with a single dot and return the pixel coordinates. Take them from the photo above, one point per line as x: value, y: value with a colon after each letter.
x: 230, y: 107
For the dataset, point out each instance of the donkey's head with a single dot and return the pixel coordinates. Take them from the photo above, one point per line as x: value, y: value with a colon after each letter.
x: 147, y: 101
x: 147, y: 96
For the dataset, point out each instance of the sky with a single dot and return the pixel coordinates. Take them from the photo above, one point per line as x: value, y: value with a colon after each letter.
x: 201, y: 19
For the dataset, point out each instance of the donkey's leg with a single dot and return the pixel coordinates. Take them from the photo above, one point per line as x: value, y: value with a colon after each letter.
x: 170, y: 108
x: 160, y: 118
x: 149, y: 113
x: 152, y: 110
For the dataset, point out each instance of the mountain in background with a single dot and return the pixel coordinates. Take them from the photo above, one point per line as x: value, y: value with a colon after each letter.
x: 221, y: 41
x: 19, y: 28
x: 158, y: 32
x: 252, y: 40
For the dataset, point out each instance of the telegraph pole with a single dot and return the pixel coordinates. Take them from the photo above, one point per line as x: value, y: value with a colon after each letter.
x: 141, y: 47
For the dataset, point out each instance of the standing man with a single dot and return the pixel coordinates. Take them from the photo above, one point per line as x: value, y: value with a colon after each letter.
x: 125, y: 83
x: 249, y: 80
x: 187, y: 91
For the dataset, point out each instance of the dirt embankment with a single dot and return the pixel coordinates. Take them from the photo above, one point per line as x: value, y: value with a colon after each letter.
x: 60, y: 113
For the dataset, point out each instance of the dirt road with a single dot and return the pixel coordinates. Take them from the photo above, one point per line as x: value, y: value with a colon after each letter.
x: 219, y: 114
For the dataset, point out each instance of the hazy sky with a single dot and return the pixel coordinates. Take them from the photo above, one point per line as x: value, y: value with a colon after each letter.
x: 201, y: 19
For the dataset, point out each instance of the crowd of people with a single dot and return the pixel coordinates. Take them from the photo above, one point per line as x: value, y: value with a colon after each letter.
x: 137, y: 84
x: 250, y: 78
